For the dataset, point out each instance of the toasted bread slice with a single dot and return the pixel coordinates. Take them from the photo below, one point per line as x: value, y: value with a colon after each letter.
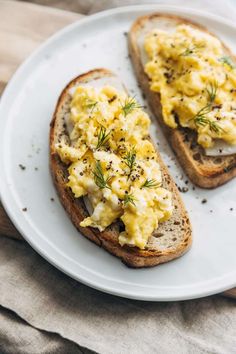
x: 169, y: 241
x: 204, y: 171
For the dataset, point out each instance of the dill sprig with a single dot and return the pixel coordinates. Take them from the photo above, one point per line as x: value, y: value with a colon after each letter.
x: 150, y: 183
x: 91, y: 104
x: 192, y: 50
x: 213, y: 125
x: 100, y: 180
x: 202, y: 112
x: 212, y: 91
x: 129, y: 160
x: 129, y: 198
x: 200, y: 119
x: 228, y: 61
x: 129, y: 105
x: 103, y: 137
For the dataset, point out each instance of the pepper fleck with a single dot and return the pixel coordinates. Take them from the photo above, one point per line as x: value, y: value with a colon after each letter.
x: 183, y: 189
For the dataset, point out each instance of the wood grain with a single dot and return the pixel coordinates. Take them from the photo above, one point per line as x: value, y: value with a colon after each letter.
x: 81, y: 6
x: 23, y: 27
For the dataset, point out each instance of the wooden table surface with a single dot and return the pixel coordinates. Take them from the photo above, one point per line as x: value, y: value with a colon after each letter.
x: 23, y: 27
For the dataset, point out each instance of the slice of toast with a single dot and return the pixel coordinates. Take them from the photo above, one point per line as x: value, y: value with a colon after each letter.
x: 169, y: 241
x: 204, y: 171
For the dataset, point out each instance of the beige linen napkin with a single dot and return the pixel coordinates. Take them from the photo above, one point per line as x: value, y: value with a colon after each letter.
x: 16, y: 336
x: 50, y: 301
x: 42, y: 311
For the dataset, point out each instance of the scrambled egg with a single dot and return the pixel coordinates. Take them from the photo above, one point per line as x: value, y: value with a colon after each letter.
x: 112, y: 162
x: 196, y: 82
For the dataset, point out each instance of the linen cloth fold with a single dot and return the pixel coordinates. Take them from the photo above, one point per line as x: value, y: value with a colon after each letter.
x: 17, y: 336
x: 49, y: 300
x: 44, y: 311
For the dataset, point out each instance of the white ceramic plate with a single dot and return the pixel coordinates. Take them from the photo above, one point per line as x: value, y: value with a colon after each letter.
x: 26, y: 110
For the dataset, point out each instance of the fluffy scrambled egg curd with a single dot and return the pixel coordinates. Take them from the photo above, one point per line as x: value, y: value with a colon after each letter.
x: 196, y: 82
x: 112, y: 161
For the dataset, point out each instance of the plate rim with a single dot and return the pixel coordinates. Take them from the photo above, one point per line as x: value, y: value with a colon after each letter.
x: 6, y: 200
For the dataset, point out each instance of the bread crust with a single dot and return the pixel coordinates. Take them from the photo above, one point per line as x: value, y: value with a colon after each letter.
x: 204, y: 171
x: 75, y: 207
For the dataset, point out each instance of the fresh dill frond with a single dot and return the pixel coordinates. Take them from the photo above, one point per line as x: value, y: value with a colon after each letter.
x: 129, y: 160
x: 150, y: 183
x: 203, y: 112
x: 129, y: 105
x: 200, y: 119
x: 129, y: 198
x: 192, y: 50
x: 103, y: 137
x: 228, y: 61
x: 213, y: 125
x: 99, y: 178
x: 91, y: 104
x: 212, y: 91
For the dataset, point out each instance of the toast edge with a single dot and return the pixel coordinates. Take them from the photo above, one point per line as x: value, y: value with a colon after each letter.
x: 203, y: 179
x: 132, y: 257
